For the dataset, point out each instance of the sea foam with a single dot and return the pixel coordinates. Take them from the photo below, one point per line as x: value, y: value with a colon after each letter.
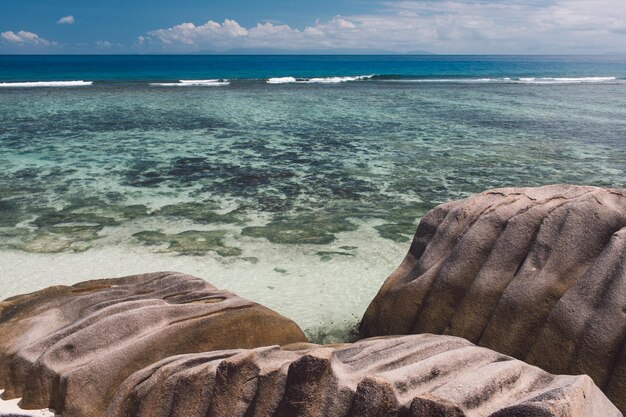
x: 282, y: 80
x: 452, y: 80
x: 317, y: 80
x: 566, y: 80
x: 509, y: 80
x: 334, y: 80
x: 28, y: 84
x: 192, y: 83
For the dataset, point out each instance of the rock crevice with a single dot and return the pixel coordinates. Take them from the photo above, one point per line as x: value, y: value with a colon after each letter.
x: 69, y: 348
x: 535, y: 273
x: 410, y: 376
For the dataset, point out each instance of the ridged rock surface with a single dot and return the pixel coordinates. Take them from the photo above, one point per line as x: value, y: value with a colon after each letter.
x: 69, y: 348
x: 534, y: 273
x: 419, y: 376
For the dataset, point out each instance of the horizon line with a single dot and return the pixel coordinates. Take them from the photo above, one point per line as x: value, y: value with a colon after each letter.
x: 311, y: 54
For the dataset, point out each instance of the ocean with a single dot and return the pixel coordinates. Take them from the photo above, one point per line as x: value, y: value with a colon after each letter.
x: 295, y: 181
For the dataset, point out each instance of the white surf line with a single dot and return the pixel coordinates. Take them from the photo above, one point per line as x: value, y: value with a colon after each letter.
x: 317, y: 80
x: 196, y: 83
x: 509, y: 80
x: 565, y: 80
x: 28, y: 84
x: 281, y: 80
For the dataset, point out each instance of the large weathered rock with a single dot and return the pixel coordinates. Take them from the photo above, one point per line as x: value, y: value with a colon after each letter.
x: 419, y: 376
x: 535, y: 273
x: 69, y: 348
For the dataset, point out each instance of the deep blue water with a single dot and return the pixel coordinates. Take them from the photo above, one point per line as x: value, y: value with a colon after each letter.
x: 174, y: 67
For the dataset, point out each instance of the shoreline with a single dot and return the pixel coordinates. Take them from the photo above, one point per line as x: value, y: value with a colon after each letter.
x: 326, y: 297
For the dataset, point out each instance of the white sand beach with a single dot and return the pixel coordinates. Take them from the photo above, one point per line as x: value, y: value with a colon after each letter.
x: 325, y: 294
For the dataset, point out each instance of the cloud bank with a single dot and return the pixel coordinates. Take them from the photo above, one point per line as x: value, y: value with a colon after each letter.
x: 439, y: 26
x: 25, y: 38
x: 230, y: 34
x: 66, y: 20
x: 454, y: 26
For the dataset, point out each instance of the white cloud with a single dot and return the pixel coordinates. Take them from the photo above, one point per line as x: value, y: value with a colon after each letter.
x: 447, y: 26
x: 521, y: 26
x: 441, y: 26
x: 210, y: 32
x: 231, y: 34
x: 11, y: 37
x: 25, y: 38
x: 66, y: 20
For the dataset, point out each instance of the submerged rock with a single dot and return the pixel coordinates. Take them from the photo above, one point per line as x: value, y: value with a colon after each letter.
x: 69, y: 348
x: 190, y: 242
x: 535, y: 273
x: 410, y: 376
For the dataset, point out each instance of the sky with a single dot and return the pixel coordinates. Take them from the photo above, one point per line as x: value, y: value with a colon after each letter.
x: 320, y: 26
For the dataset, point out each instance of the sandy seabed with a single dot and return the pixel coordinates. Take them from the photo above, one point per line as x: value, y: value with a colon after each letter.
x: 326, y: 296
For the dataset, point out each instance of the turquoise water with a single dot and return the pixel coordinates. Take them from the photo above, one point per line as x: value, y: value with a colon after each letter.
x: 292, y: 163
x: 334, y: 172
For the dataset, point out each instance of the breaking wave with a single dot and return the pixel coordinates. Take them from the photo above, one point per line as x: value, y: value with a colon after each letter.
x: 318, y: 80
x: 509, y: 80
x: 566, y: 80
x: 192, y: 83
x: 28, y: 84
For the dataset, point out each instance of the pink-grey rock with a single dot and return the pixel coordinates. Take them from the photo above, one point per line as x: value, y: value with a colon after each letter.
x: 535, y: 273
x: 409, y: 376
x: 69, y: 348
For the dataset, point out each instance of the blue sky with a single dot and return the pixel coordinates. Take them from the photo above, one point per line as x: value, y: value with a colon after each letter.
x: 448, y: 26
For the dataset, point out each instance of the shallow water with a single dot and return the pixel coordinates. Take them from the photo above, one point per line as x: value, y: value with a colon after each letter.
x: 302, y: 196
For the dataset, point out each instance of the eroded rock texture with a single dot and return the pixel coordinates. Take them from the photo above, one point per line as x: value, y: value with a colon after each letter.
x: 535, y: 273
x: 69, y: 348
x: 409, y: 376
